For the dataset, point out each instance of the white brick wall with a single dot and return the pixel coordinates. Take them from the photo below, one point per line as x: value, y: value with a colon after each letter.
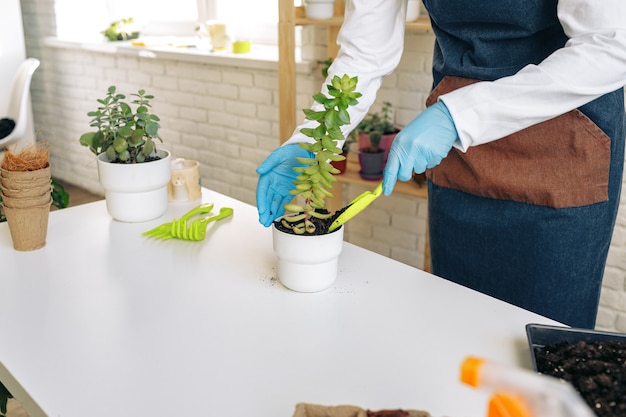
x: 225, y: 116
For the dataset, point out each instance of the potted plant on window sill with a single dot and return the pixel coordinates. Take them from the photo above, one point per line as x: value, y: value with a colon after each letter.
x: 307, y: 251
x: 121, y: 30
x: 132, y: 171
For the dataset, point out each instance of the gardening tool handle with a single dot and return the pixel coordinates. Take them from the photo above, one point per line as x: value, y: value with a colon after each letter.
x: 348, y: 214
x: 224, y: 212
x: 201, y: 209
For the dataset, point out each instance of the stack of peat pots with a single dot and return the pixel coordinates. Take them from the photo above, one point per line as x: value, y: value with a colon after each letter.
x: 26, y: 200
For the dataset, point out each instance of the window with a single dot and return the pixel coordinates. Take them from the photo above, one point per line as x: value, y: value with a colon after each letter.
x: 252, y: 19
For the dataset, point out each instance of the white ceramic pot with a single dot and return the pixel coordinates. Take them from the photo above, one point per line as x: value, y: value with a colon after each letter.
x: 413, y: 10
x: 319, y: 9
x: 307, y: 263
x: 135, y: 192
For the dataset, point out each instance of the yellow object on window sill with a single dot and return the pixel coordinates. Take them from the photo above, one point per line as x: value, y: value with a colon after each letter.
x: 241, y: 47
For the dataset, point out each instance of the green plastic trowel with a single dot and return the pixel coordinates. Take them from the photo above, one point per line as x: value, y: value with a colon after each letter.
x: 356, y: 206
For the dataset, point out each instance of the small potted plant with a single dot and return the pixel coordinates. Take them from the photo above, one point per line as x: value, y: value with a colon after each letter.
x: 132, y: 171
x: 372, y: 158
x: 307, y: 252
x: 378, y: 122
x: 121, y: 30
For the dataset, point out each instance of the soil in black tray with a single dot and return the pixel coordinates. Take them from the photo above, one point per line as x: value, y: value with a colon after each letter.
x: 597, y: 370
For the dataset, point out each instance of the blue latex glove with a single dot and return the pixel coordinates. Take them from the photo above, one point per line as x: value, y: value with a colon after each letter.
x: 422, y: 144
x: 276, y: 180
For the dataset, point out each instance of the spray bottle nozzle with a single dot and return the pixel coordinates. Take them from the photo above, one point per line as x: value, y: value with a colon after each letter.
x: 522, y: 393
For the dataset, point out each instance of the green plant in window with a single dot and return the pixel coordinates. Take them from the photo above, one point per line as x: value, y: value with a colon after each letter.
x: 121, y: 30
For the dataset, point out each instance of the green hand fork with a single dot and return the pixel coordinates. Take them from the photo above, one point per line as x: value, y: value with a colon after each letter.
x: 356, y: 206
x: 164, y: 231
x: 181, y: 229
x: 196, y: 230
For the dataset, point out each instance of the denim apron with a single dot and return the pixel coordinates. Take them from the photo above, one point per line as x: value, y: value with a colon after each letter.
x: 527, y: 219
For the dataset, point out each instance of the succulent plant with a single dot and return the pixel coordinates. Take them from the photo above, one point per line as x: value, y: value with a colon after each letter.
x: 125, y: 136
x: 315, y: 178
x: 375, y: 137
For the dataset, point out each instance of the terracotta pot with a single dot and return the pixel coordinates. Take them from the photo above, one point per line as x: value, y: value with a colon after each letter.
x: 307, y: 263
x: 341, y: 165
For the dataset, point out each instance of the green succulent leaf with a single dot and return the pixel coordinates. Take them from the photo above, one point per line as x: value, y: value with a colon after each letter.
x: 148, y: 148
x: 313, y: 115
x: 319, y: 98
x: 111, y: 154
x: 305, y: 161
x: 294, y: 208
x: 86, y: 139
x: 120, y: 144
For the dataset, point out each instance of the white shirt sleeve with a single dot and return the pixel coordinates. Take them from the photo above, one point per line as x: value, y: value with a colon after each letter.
x: 371, y: 41
x: 592, y: 63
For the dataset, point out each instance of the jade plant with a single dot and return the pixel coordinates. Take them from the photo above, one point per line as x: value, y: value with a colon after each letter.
x: 126, y: 136
x: 316, y: 176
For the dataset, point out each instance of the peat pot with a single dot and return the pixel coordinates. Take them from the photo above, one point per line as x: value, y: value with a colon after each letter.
x: 135, y: 192
x: 307, y: 263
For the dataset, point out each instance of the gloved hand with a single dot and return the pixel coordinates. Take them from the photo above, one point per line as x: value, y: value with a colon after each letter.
x: 276, y: 180
x: 422, y: 144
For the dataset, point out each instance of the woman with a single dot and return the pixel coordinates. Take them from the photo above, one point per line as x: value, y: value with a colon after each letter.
x: 523, y: 141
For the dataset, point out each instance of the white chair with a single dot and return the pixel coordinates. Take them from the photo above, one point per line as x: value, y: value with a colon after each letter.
x: 19, y: 106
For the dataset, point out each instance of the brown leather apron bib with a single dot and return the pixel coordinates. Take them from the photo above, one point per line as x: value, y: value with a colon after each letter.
x: 562, y: 162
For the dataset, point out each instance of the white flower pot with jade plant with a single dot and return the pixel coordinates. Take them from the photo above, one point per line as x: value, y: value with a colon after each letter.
x: 135, y: 192
x: 132, y: 171
x: 307, y: 263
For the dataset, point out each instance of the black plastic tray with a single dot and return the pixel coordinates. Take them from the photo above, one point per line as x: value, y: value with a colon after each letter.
x: 540, y: 335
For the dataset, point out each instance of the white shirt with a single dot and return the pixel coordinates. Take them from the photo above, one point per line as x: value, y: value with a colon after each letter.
x: 592, y: 63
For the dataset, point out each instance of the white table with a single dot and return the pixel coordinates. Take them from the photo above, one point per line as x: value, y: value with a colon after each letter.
x: 102, y: 321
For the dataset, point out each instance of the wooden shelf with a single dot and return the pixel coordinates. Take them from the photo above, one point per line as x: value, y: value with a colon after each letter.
x: 351, y: 176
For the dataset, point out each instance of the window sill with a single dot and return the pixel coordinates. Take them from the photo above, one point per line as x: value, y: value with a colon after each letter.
x: 260, y: 56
